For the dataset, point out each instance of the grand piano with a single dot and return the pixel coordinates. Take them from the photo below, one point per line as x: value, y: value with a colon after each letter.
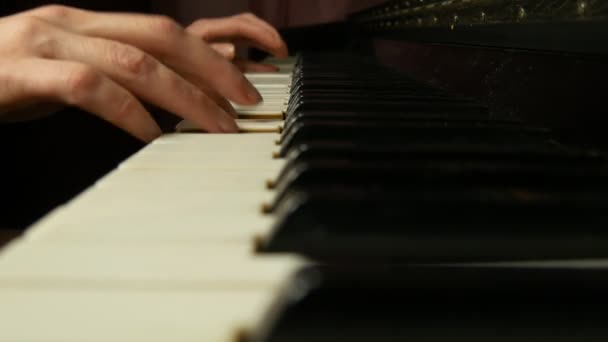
x: 439, y: 175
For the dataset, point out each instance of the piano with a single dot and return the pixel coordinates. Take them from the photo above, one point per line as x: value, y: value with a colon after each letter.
x: 364, y: 200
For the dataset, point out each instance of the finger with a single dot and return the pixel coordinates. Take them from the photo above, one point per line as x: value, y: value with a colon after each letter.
x: 78, y: 85
x: 146, y: 78
x: 218, y: 99
x: 249, y: 66
x: 241, y: 27
x: 225, y: 49
x: 282, y: 50
x: 162, y: 38
x: 258, y: 21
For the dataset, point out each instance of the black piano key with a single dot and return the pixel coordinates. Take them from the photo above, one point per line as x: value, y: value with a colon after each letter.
x: 363, y: 120
x: 425, y: 172
x: 401, y: 150
x: 302, y: 117
x: 443, y: 304
x: 396, y: 105
x: 441, y: 225
x: 543, y: 151
x: 299, y: 100
x: 403, y: 133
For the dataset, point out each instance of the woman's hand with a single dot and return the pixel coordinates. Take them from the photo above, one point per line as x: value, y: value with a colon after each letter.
x: 105, y: 62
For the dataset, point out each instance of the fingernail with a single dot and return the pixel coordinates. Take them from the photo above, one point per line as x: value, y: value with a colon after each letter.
x: 227, y: 124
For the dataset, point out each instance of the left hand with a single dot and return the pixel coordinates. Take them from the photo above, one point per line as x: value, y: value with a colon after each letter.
x: 224, y: 33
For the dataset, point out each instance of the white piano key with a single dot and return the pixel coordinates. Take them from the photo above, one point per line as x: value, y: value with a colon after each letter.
x: 180, y: 227
x: 94, y: 315
x: 273, y: 87
x: 232, y: 149
x: 161, y: 248
x: 186, y: 180
x: 276, y: 77
x: 114, y: 201
x: 260, y: 125
x: 201, y: 161
x: 121, y: 214
x: 266, y: 105
x: 245, y: 126
x: 272, y: 90
x: 224, y: 143
x: 260, y: 113
x: 129, y: 265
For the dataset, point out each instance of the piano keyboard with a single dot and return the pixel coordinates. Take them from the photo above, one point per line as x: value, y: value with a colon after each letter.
x: 202, y: 237
x: 161, y: 249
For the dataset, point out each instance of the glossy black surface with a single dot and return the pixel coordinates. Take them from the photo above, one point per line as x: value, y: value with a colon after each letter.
x: 444, y: 304
x: 376, y: 173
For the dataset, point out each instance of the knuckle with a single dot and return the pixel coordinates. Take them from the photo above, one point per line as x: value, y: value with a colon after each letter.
x: 132, y: 60
x: 54, y: 11
x: 82, y: 82
x: 28, y: 27
x: 166, y: 25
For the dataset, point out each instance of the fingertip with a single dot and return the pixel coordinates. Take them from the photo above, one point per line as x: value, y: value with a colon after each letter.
x: 283, y: 51
x: 151, y: 133
x: 228, y: 124
x: 253, y: 95
x: 280, y: 49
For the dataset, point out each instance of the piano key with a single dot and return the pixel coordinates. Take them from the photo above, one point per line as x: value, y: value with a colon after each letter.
x: 298, y: 116
x: 178, y: 220
x: 262, y: 113
x: 151, y: 215
x: 269, y: 78
x: 364, y: 121
x: 245, y: 126
x: 219, y: 151
x: 443, y: 304
x: 260, y: 125
x: 136, y: 266
x: 362, y: 104
x: 439, y: 225
x: 439, y: 172
x: 548, y: 150
x: 130, y: 261
x: 402, y: 133
x: 99, y: 315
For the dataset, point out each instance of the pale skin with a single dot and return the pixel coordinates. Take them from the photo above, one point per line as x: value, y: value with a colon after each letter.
x: 108, y: 63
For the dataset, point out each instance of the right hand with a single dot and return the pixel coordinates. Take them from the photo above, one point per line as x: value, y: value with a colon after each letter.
x: 104, y: 62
